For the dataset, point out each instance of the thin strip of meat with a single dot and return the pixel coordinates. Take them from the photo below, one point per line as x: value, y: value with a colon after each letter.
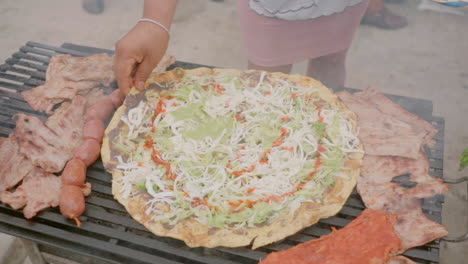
x: 385, y: 168
x: 41, y: 145
x: 387, y: 106
x: 96, y: 67
x: 92, y: 96
x: 393, y: 140
x: 68, y: 76
x: 15, y: 200
x: 413, y: 227
x: 38, y: 191
x: 380, y: 169
x: 68, y: 123
x: 52, y: 144
x: 36, y: 98
x: 368, y: 239
x: 14, y: 164
x: 383, y: 132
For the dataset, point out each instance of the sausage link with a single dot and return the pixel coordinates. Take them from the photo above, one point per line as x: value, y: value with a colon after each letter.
x: 117, y: 98
x: 74, y: 173
x: 88, y: 151
x: 94, y: 128
x: 100, y: 110
x: 72, y: 203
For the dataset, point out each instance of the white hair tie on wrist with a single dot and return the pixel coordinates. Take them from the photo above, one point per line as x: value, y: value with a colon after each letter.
x: 154, y: 22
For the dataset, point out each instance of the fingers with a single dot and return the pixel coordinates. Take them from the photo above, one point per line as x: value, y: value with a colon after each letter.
x: 143, y: 71
x: 124, y: 64
x: 123, y: 67
x: 137, y: 53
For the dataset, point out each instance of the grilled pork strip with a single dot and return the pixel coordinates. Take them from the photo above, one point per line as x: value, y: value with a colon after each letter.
x: 413, y: 227
x: 14, y: 164
x: 386, y: 129
x: 52, y: 144
x: 68, y: 76
x: 378, y: 192
x: 386, y: 106
x: 38, y: 191
x: 385, y: 168
x: 393, y: 139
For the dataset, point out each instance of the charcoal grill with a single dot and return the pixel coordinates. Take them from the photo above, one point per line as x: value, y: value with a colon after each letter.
x: 110, y: 235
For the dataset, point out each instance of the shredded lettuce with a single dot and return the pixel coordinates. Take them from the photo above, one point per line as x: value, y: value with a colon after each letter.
x: 319, y: 129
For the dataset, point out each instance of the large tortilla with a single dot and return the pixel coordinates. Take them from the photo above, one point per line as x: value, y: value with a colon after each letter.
x: 196, y: 234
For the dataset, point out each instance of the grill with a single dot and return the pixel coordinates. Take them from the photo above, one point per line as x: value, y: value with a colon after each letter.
x: 110, y: 235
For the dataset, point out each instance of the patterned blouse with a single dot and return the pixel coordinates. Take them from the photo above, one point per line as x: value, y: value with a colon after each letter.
x: 300, y: 9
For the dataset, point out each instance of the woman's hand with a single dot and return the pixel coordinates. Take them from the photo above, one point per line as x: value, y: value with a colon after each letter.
x: 137, y: 53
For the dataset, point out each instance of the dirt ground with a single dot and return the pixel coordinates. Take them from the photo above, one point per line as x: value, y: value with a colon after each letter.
x: 428, y: 59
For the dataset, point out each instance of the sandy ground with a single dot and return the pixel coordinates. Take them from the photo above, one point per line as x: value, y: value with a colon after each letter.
x: 428, y: 59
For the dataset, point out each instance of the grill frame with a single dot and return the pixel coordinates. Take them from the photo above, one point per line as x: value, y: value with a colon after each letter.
x: 110, y: 235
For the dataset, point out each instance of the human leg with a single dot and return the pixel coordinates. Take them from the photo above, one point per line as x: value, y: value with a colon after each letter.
x: 329, y: 69
x: 380, y: 16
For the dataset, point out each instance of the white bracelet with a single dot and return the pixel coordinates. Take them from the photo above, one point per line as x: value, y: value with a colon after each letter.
x: 154, y: 22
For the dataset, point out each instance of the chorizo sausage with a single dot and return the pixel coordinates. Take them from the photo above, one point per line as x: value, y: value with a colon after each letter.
x: 74, y: 173
x: 72, y: 203
x: 88, y: 151
x: 100, y: 110
x: 94, y: 128
x: 117, y: 98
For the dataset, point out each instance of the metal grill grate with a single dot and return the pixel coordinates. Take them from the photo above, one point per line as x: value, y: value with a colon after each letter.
x: 110, y: 235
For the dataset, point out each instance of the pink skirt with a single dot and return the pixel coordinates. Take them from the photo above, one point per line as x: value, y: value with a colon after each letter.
x: 273, y: 42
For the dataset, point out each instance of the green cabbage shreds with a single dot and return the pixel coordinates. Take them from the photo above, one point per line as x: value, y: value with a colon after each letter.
x: 263, y: 212
x: 328, y: 181
x: 155, y: 188
x: 334, y: 129
x: 217, y: 220
x: 141, y: 186
x: 319, y: 128
x: 124, y: 148
x: 335, y: 158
